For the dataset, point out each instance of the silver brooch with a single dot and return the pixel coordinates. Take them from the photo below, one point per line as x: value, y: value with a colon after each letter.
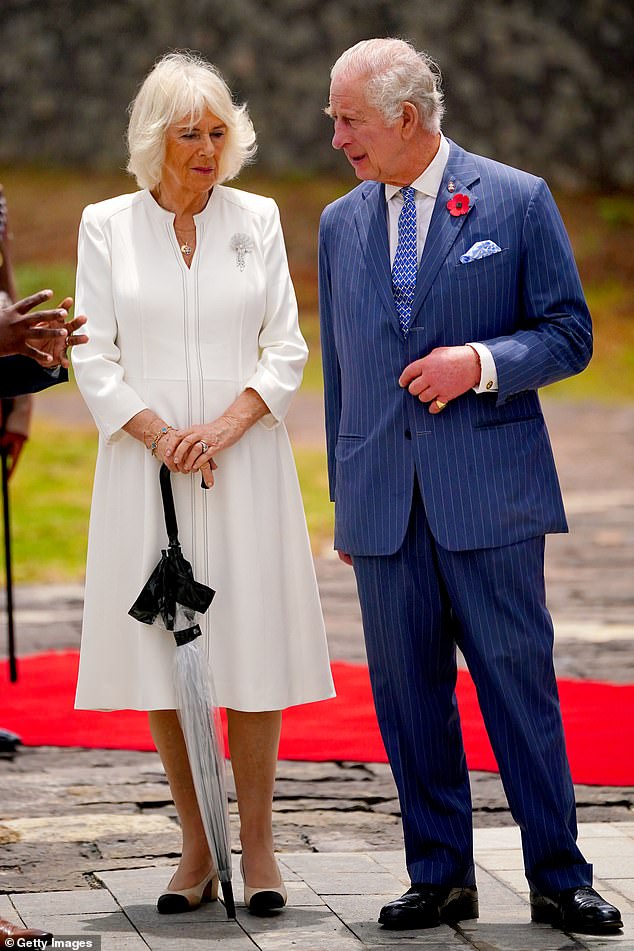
x: 242, y: 244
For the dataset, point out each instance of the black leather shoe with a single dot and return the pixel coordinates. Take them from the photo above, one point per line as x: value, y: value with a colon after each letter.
x: 426, y: 906
x: 576, y: 909
x: 8, y: 741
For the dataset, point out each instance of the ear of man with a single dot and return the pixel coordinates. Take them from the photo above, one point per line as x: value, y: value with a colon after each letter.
x: 410, y: 121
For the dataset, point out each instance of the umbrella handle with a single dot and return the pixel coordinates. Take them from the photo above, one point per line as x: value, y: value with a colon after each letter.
x: 168, y: 505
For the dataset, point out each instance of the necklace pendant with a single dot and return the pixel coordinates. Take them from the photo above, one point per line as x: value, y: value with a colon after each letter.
x: 186, y: 249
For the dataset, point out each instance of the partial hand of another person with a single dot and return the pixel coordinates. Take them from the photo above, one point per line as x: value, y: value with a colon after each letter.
x: 32, y: 335
x: 57, y: 347
x: 345, y: 558
x: 442, y: 376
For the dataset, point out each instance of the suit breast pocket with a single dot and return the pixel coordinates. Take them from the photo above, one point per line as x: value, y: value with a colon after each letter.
x: 482, y: 268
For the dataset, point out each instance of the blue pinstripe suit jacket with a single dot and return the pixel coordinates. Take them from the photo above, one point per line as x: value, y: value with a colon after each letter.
x: 485, y: 465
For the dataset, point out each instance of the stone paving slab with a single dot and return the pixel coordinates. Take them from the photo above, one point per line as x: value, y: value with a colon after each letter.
x: 332, y: 912
x: 66, y: 813
x: 88, y: 901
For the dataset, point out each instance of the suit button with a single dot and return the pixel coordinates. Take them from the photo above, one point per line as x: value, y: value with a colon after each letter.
x: 408, y: 434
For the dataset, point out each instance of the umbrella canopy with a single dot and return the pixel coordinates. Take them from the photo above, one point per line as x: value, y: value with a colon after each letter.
x: 171, y: 590
x: 172, y: 597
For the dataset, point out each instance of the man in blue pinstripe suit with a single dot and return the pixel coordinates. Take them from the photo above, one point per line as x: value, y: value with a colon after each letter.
x: 448, y: 296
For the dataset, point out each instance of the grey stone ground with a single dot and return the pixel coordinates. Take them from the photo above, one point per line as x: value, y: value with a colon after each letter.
x: 87, y: 836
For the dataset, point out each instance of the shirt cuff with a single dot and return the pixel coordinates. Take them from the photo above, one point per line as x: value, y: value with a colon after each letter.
x: 488, y: 371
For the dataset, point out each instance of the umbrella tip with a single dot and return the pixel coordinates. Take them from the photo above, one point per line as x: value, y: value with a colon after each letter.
x: 227, y: 894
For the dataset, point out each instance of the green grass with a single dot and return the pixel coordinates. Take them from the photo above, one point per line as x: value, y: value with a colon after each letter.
x: 604, y: 381
x: 313, y: 379
x: 50, y: 502
x: 313, y: 479
x: 34, y: 277
x: 610, y: 374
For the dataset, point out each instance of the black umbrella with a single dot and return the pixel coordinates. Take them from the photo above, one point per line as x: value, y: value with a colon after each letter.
x: 173, y: 594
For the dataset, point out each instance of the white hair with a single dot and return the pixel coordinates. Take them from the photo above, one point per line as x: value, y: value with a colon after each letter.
x: 396, y: 73
x: 183, y: 86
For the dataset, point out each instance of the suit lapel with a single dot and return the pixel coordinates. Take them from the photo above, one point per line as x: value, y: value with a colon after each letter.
x: 371, y: 222
x: 444, y: 228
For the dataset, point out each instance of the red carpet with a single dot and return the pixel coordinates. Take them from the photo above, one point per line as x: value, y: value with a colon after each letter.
x: 599, y: 720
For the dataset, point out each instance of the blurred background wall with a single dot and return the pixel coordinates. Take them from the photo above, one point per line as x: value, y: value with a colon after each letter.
x: 543, y: 85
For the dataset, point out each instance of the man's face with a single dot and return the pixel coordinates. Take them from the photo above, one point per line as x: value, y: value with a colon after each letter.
x: 374, y: 149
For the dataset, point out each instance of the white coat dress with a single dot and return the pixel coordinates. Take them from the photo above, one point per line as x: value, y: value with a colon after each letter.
x: 185, y: 343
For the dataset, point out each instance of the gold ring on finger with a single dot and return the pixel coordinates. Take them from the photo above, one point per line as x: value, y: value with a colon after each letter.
x: 440, y: 404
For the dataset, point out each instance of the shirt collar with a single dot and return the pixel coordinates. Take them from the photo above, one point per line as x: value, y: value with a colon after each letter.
x: 428, y: 183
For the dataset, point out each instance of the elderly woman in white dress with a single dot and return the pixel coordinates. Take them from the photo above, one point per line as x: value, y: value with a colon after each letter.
x: 194, y: 355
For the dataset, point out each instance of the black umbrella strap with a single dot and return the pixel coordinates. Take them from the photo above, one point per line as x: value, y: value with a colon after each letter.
x: 168, y: 505
x: 188, y: 635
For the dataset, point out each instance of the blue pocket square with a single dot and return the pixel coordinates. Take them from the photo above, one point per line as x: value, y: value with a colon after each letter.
x: 481, y: 249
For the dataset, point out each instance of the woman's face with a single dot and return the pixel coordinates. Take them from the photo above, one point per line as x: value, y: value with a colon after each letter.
x: 192, y: 153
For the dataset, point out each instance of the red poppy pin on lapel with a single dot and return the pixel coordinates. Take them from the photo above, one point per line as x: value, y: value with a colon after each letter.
x: 458, y: 205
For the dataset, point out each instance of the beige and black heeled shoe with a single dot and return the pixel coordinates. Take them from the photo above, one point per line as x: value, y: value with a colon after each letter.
x: 173, y: 902
x: 264, y: 901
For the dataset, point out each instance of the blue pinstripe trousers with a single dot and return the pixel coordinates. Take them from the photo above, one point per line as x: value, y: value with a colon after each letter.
x: 417, y: 605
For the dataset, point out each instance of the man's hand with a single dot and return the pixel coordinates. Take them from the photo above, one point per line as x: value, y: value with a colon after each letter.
x: 24, y: 333
x: 443, y: 375
x: 345, y: 558
x: 57, y: 347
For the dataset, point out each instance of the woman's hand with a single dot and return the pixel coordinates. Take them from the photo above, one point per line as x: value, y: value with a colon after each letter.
x: 166, y: 449
x: 193, y: 449
x: 162, y: 439
x: 197, y: 445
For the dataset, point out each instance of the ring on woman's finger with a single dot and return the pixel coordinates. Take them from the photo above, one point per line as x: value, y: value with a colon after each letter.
x: 204, y: 445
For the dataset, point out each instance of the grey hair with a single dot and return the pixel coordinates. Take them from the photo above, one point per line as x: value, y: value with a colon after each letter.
x: 396, y: 73
x: 183, y: 85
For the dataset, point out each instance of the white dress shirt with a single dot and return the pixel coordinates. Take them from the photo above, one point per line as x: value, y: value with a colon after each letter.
x: 427, y: 186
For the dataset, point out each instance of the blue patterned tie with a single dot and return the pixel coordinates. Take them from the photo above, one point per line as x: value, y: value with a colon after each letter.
x: 406, y: 259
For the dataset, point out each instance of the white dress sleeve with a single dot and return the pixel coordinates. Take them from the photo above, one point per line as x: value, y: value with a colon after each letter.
x: 283, y: 350
x: 98, y: 372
